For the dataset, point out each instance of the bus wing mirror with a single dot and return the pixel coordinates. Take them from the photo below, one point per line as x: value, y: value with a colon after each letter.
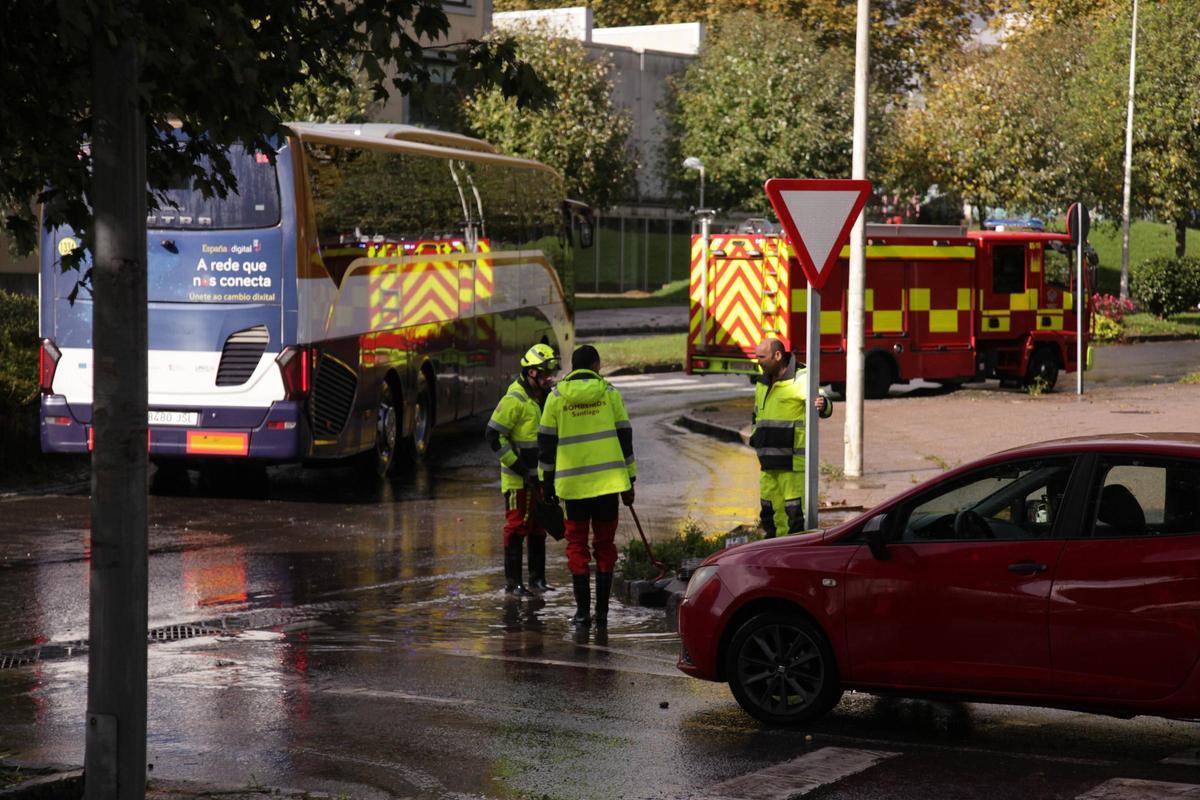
x: 585, y: 232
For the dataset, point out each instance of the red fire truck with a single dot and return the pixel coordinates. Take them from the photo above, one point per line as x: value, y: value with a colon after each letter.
x: 942, y: 304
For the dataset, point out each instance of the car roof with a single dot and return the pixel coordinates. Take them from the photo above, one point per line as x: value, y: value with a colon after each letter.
x: 1181, y: 444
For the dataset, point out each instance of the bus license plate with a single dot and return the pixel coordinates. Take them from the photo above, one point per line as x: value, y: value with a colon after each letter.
x: 174, y: 418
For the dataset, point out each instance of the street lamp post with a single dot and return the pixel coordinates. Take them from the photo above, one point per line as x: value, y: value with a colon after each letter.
x: 705, y: 215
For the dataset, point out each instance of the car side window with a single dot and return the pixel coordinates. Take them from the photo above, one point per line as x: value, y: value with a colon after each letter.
x: 1015, y: 500
x: 1145, y: 497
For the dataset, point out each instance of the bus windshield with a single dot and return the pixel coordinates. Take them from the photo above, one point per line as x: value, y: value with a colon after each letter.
x: 254, y: 205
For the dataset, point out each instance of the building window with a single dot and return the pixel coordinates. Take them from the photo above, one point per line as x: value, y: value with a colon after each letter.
x: 435, y: 105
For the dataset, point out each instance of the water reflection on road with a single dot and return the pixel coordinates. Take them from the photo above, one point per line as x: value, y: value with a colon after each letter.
x: 404, y: 576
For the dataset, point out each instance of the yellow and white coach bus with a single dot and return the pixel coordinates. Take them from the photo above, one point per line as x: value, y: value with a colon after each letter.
x: 373, y: 283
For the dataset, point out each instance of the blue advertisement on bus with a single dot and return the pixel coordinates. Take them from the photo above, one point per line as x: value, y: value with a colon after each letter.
x: 216, y: 268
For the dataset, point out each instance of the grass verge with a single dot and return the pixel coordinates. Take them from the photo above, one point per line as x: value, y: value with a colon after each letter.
x: 674, y: 293
x: 1149, y: 325
x: 640, y: 352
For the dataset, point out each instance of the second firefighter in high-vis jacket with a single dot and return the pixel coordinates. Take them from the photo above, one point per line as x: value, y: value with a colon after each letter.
x: 585, y: 445
x: 513, y: 434
x: 780, y: 413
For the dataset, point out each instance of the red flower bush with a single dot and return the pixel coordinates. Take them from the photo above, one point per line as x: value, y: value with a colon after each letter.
x: 1111, y: 306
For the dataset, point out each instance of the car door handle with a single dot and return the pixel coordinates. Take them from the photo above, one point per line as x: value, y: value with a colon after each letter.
x: 1027, y: 567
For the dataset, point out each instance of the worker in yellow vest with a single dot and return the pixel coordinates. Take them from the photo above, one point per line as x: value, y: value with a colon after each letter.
x: 585, y: 454
x: 780, y: 410
x: 512, y: 433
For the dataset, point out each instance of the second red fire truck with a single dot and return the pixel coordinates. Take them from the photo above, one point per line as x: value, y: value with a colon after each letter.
x: 942, y: 304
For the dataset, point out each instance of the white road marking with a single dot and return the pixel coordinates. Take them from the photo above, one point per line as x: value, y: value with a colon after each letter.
x: 698, y: 388
x: 1135, y: 789
x: 621, y: 380
x: 1190, y: 758
x: 800, y: 775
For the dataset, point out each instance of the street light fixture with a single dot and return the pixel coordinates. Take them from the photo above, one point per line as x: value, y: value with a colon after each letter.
x: 691, y: 162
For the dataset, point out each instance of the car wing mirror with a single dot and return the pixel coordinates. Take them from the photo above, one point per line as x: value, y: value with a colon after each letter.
x: 875, y: 532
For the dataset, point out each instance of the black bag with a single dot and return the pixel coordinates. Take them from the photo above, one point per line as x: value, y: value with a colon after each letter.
x: 549, y: 516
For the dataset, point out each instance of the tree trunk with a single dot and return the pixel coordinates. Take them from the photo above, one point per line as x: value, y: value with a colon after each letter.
x: 1180, y: 239
x: 115, y: 756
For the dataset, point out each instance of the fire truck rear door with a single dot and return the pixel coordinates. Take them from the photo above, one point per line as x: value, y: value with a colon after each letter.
x: 737, y: 293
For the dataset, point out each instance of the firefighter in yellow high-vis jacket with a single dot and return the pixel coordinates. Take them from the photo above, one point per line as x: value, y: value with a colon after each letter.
x: 512, y: 433
x: 780, y: 411
x: 585, y: 454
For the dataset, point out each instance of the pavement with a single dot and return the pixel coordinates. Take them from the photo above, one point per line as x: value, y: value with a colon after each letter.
x: 918, y: 433
x: 19, y: 781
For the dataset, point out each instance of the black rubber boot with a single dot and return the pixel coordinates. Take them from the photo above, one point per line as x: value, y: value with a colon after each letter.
x: 603, y: 590
x: 537, y: 565
x: 512, y: 569
x: 582, y: 584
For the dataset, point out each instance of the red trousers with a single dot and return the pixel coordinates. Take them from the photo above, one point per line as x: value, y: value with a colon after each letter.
x: 518, y: 516
x: 600, y: 514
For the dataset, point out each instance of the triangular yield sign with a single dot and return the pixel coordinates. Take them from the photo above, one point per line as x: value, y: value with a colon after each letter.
x: 817, y: 216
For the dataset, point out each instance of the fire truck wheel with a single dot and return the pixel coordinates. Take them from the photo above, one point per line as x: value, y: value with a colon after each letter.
x: 839, y: 388
x: 1043, y: 365
x: 878, y: 376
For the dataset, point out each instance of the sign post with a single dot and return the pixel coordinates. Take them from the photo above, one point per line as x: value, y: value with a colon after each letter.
x: 817, y: 216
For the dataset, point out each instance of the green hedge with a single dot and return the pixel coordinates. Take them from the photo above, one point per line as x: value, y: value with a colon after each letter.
x: 1165, y: 286
x: 18, y: 352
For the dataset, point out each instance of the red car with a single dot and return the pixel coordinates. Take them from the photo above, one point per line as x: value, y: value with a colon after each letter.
x: 1062, y: 574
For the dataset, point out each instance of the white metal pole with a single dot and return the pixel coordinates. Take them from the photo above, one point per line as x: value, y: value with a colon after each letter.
x: 1081, y: 298
x: 812, y: 356
x: 1128, y: 182
x: 856, y: 282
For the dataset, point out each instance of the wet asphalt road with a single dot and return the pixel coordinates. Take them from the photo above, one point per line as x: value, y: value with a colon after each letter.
x: 370, y: 653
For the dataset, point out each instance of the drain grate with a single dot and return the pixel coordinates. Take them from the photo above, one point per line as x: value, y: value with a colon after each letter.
x: 14, y: 660
x: 176, y: 633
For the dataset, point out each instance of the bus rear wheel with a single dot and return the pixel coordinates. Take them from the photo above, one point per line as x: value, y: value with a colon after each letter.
x: 387, y: 430
x: 423, y: 418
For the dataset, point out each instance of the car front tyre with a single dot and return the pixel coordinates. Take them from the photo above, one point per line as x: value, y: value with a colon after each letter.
x: 782, y: 671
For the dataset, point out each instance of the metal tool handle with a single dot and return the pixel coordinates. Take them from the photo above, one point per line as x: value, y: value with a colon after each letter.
x: 662, y: 569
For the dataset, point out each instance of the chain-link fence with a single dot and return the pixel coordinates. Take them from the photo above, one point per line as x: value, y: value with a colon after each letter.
x: 635, y: 254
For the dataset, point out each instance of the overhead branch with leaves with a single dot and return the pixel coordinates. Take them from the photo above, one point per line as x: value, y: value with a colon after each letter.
x: 220, y: 71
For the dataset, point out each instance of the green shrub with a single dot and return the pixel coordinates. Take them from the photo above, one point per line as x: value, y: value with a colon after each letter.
x: 690, y: 542
x: 1106, y: 329
x: 1166, y: 286
x: 18, y: 351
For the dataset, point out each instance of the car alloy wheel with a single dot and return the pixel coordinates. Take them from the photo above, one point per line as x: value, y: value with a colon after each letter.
x: 781, y: 670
